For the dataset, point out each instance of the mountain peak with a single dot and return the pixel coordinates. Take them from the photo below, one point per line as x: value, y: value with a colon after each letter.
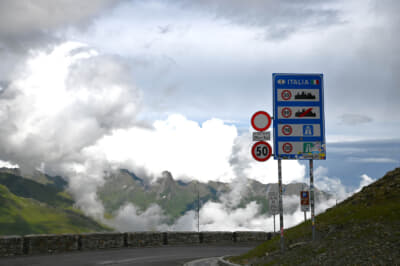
x: 167, y: 175
x: 167, y: 185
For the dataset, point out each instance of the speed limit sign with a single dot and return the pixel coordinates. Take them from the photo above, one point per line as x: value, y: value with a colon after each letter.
x: 261, y: 151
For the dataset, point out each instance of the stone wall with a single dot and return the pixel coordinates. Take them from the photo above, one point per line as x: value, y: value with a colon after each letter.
x: 39, y: 244
x: 248, y: 236
x: 217, y: 237
x: 183, y: 238
x: 145, y: 239
x: 47, y: 244
x: 101, y: 241
x: 11, y: 245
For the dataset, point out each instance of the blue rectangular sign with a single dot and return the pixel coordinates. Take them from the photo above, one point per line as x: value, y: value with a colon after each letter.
x: 299, y: 124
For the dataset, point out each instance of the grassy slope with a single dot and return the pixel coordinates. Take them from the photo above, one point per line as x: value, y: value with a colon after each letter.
x: 47, y: 193
x: 21, y: 216
x: 363, y: 229
x: 28, y: 207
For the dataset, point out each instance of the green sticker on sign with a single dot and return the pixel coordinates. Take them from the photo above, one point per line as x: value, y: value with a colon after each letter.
x: 307, y: 147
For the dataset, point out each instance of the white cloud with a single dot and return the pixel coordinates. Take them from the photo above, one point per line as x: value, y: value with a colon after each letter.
x: 75, y: 109
x: 334, y: 186
x: 264, y: 172
x: 59, y: 103
x: 130, y: 219
x: 187, y: 149
x: 6, y: 164
x: 218, y: 217
x: 365, y: 181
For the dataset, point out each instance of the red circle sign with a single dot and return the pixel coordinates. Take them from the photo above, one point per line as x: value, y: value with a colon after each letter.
x: 261, y: 121
x: 286, y: 95
x: 286, y: 112
x: 261, y: 151
x: 287, y: 147
x: 287, y: 130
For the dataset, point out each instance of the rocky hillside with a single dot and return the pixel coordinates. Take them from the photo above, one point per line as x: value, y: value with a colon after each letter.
x: 362, y: 230
x: 176, y: 197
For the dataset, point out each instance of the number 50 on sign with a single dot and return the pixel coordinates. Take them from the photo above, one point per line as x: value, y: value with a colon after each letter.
x: 261, y: 151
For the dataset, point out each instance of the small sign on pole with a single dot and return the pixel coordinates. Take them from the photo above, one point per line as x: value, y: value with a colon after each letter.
x: 305, y: 201
x: 261, y: 136
x: 273, y: 202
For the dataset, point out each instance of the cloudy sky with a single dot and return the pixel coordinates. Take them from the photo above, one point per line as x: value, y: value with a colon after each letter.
x: 155, y: 85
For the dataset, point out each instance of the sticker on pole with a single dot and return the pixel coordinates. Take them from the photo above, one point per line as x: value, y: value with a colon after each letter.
x: 261, y: 151
x: 261, y: 121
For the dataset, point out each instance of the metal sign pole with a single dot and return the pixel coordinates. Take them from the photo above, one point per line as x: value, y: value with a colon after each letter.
x: 274, y: 224
x: 280, y: 204
x: 305, y: 216
x: 198, y: 207
x: 312, y: 198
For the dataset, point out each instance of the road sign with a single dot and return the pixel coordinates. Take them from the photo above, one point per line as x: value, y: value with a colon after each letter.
x: 298, y: 112
x: 298, y: 95
x: 261, y: 136
x: 261, y: 151
x: 299, y: 126
x: 299, y: 130
x: 273, y: 202
x: 261, y: 121
x: 305, y: 201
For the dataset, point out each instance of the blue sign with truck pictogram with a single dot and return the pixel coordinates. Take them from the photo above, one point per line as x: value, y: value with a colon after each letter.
x: 298, y: 113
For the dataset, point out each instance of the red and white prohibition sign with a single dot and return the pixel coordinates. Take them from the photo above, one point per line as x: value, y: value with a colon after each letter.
x: 261, y: 121
x: 286, y: 95
x: 287, y: 147
x: 286, y: 112
x: 287, y: 130
x: 261, y: 151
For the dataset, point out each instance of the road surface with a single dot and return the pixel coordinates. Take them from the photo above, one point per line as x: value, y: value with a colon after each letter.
x: 160, y: 256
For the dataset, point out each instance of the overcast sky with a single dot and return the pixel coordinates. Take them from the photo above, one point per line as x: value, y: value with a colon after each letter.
x: 171, y: 85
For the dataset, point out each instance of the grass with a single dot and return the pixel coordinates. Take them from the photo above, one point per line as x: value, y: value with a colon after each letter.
x: 364, y: 217
x: 22, y: 216
x: 338, y: 217
x: 27, y: 188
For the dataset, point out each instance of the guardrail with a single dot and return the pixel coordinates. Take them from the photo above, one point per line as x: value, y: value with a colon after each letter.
x: 49, y: 244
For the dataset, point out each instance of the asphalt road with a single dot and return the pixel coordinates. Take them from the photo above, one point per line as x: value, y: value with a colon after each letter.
x: 161, y: 256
